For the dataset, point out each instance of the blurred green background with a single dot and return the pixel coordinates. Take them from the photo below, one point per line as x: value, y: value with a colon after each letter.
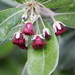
x: 12, y: 59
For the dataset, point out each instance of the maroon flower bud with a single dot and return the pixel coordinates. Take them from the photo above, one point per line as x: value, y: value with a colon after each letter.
x: 59, y: 28
x: 38, y: 43
x: 28, y: 30
x: 46, y: 33
x: 59, y: 32
x: 19, y: 40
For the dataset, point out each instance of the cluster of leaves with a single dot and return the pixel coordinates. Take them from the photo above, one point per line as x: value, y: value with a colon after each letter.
x: 47, y: 58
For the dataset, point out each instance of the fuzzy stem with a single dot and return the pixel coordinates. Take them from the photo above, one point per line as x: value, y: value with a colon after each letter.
x: 47, y: 10
x: 37, y: 28
x: 20, y: 28
x: 53, y: 18
x: 50, y: 13
x: 32, y: 13
x: 46, y: 2
x: 40, y: 17
x: 42, y: 21
x: 64, y: 13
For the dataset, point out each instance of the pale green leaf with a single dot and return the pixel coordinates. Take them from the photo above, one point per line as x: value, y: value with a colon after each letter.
x: 8, y: 20
x: 44, y: 61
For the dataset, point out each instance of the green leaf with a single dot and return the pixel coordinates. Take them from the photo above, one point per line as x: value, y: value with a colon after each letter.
x: 68, y: 19
x: 21, y: 1
x: 44, y: 61
x: 56, y: 3
x: 8, y: 20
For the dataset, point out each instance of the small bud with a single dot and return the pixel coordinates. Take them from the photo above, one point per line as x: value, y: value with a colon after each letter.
x: 24, y: 16
x: 46, y: 33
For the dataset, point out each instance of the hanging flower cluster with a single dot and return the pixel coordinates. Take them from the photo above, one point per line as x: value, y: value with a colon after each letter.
x: 29, y: 23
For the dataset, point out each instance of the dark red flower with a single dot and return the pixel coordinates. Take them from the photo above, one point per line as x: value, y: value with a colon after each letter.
x: 38, y: 43
x: 19, y: 40
x: 60, y: 32
x: 59, y: 28
x: 28, y: 30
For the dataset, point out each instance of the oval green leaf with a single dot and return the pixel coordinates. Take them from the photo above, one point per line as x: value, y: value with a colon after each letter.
x: 8, y: 20
x: 44, y: 61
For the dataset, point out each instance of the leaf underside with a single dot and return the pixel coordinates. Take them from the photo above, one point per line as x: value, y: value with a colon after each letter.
x: 8, y: 20
x: 44, y: 61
